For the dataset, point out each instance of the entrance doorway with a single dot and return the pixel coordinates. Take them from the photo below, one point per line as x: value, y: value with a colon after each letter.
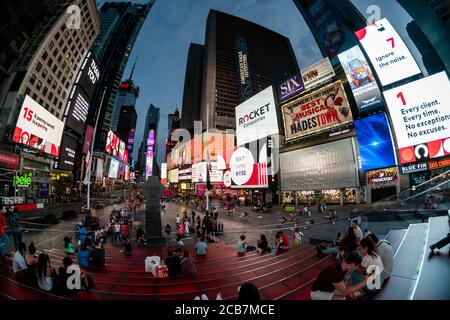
x: 381, y: 193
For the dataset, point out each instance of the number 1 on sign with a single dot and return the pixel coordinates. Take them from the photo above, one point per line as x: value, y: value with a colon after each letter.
x: 400, y: 95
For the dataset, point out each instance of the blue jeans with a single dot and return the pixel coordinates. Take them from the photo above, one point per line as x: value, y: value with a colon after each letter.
x: 4, y: 242
x: 331, y: 250
x: 17, y: 235
x: 357, y: 277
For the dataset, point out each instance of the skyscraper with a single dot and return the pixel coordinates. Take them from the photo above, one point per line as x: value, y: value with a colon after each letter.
x: 128, y: 93
x: 151, y: 124
x: 433, y: 17
x: 192, y: 94
x: 120, y: 23
x: 44, y: 46
x: 48, y: 66
x: 127, y: 122
x: 332, y: 24
x: 241, y: 59
x: 431, y: 59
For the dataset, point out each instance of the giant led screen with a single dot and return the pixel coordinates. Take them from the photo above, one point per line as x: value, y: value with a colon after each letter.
x: 375, y: 142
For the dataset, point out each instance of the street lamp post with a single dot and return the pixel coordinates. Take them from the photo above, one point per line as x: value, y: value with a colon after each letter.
x: 88, y: 193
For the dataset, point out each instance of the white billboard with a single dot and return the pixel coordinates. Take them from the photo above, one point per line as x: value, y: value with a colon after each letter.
x: 113, y: 169
x: 420, y: 113
x: 199, y: 172
x: 317, y: 73
x: 174, y: 176
x: 256, y: 118
x: 163, y: 170
x: 390, y: 56
x: 38, y: 128
x: 99, y: 170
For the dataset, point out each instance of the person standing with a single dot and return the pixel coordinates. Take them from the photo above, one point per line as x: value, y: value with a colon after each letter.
x: 357, y: 230
x: 168, y: 231
x: 4, y: 240
x: 186, y: 228
x: 16, y: 228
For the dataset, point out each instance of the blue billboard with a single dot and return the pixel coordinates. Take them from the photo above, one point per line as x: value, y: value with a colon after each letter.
x: 375, y: 142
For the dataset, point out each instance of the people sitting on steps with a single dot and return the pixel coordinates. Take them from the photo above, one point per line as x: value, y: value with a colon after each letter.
x: 281, y: 242
x: 330, y: 285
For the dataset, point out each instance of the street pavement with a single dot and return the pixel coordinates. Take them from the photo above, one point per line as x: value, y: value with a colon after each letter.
x: 252, y: 225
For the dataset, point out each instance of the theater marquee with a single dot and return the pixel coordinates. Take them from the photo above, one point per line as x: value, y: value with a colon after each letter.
x: 322, y: 109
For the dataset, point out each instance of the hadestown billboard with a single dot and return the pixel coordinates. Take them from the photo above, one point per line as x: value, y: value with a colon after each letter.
x: 256, y: 118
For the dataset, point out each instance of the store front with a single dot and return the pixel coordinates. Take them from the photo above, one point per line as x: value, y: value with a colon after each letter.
x: 382, y: 183
x: 321, y: 173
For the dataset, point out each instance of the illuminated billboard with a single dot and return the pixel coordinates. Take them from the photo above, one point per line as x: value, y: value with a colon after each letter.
x: 87, y: 138
x: 361, y: 79
x: 116, y: 147
x: 390, y: 56
x: 256, y: 118
x: 420, y: 115
x: 248, y: 170
x: 38, y: 128
x: 163, y: 170
x: 291, y: 87
x: 317, y: 73
x: 113, y: 169
x: 150, y: 154
x: 375, y: 142
x: 322, y: 109
x: 67, y: 154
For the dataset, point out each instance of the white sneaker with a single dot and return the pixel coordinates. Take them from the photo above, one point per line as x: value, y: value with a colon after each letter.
x: 197, y: 298
x: 219, y: 296
x: 205, y: 297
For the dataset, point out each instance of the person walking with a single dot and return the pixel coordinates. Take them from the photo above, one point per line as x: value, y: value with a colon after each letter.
x: 16, y: 228
x: 4, y: 240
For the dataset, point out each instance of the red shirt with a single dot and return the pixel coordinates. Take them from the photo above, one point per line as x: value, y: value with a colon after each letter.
x: 285, y: 241
x: 124, y: 229
x: 2, y: 224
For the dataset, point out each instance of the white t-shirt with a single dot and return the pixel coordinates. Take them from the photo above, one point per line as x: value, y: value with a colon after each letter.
x: 298, y: 235
x: 386, y: 253
x: 369, y: 260
x: 117, y: 227
x: 19, y: 262
x: 358, y: 233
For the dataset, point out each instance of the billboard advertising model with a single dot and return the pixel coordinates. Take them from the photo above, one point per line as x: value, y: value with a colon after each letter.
x: 38, y: 128
x: 361, y: 79
x: 322, y: 109
x: 375, y: 142
x: 420, y: 114
x: 390, y: 56
x: 256, y: 118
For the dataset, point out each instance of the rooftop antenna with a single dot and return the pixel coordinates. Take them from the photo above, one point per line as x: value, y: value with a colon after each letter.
x: 134, y: 65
